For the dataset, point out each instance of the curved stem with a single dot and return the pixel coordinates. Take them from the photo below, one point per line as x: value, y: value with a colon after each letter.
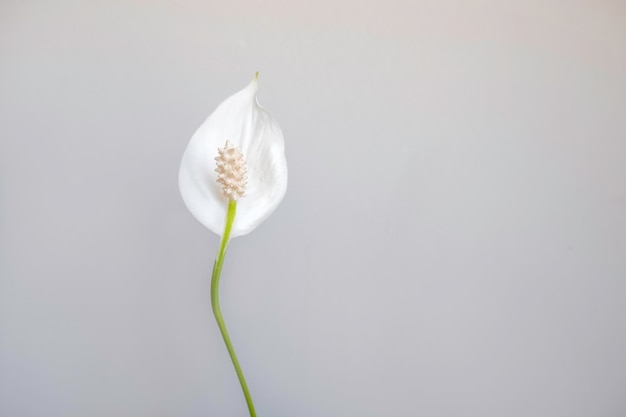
x: 215, y: 303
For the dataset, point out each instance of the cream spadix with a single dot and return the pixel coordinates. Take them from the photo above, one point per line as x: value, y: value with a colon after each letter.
x: 238, y: 125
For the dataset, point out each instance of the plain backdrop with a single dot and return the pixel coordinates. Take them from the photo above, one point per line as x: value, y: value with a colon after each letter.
x: 452, y: 242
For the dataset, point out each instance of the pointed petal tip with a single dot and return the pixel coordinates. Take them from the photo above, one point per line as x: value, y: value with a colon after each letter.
x: 254, y: 84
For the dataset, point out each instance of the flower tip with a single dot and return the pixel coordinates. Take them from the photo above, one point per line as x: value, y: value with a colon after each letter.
x: 254, y: 84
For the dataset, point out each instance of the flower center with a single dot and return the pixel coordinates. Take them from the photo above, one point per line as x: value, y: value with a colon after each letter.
x: 231, y: 171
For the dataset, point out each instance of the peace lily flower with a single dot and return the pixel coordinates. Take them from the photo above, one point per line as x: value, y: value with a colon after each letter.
x: 235, y: 162
x: 254, y: 132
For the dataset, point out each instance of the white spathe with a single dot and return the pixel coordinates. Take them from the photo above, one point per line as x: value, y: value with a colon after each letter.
x: 246, y: 125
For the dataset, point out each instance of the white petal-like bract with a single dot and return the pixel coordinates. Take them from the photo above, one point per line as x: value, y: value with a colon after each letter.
x: 247, y: 126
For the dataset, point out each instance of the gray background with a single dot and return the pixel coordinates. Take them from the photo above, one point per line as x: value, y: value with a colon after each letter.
x: 452, y: 242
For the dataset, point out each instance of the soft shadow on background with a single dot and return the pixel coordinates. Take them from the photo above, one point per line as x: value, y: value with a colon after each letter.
x: 452, y: 242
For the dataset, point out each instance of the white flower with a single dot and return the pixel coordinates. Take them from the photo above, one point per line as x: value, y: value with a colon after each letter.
x: 253, y: 132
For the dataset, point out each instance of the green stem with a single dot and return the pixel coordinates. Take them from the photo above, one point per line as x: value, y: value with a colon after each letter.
x: 215, y: 302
